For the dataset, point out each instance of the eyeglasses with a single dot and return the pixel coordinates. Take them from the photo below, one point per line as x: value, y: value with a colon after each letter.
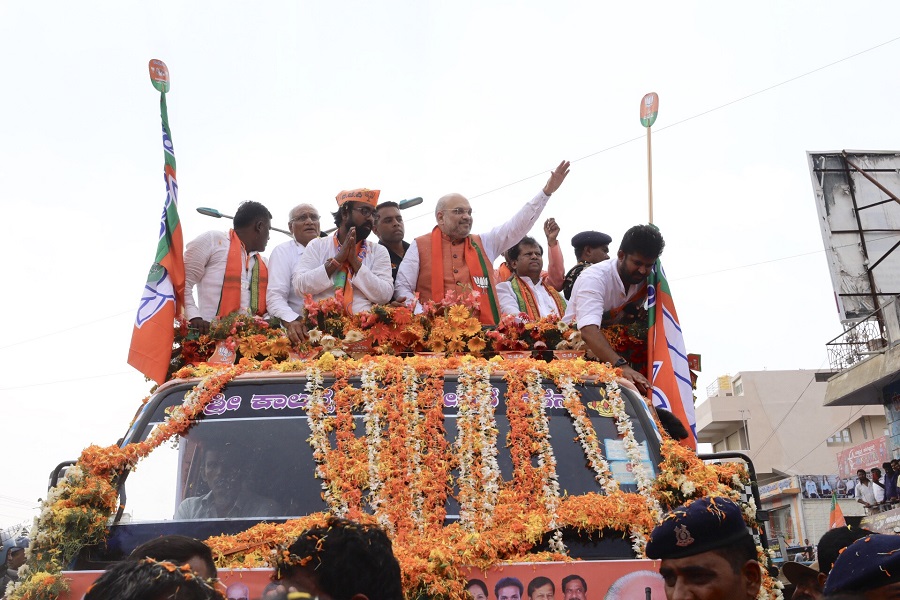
x: 364, y: 210
x: 306, y: 217
x: 461, y: 211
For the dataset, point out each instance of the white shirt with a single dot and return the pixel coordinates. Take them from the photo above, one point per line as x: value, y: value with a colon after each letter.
x: 509, y: 304
x: 599, y: 288
x: 372, y: 284
x: 878, y: 491
x: 864, y: 492
x: 282, y: 300
x: 495, y: 242
x: 205, y: 258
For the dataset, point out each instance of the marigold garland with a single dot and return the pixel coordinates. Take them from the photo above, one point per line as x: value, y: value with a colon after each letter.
x: 402, y: 466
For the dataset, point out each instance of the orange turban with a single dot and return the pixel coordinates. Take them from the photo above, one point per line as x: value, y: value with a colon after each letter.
x: 363, y: 195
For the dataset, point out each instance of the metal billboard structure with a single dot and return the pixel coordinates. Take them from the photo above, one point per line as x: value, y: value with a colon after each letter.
x: 858, y: 201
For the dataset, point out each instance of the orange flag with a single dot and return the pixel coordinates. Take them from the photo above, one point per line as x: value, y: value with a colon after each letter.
x: 837, y: 515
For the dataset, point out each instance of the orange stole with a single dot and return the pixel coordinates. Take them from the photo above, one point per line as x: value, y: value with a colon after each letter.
x: 453, y: 268
x: 230, y: 300
x: 528, y: 303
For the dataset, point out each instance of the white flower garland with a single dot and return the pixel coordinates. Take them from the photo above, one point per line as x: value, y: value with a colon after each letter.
x: 414, y: 421
x: 546, y: 458
x: 633, y: 450
x: 372, y: 417
x: 589, y: 442
x: 487, y: 425
x: 318, y: 439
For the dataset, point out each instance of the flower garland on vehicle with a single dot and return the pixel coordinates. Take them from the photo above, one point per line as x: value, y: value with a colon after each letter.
x: 546, y: 458
x: 431, y: 555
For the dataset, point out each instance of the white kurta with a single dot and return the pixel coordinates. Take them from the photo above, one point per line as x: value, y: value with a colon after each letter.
x: 372, y: 284
x: 598, y: 289
x: 495, y: 242
x: 205, y: 258
x: 509, y: 304
x: 282, y: 300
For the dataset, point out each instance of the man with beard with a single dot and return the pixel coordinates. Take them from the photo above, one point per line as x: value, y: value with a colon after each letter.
x: 527, y: 291
x: 452, y: 260
x: 227, y: 497
x: 281, y: 299
x: 613, y: 291
x: 346, y: 261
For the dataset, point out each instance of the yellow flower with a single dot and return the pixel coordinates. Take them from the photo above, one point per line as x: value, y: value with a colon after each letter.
x: 472, y: 327
x: 279, y: 347
x: 456, y: 346
x: 326, y: 362
x: 477, y: 344
x: 459, y: 312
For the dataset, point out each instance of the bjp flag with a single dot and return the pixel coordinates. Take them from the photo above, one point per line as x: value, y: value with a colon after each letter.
x: 836, y: 519
x: 667, y: 360
x: 163, y: 296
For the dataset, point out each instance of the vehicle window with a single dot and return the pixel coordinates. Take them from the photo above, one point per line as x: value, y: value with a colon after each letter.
x: 250, y: 456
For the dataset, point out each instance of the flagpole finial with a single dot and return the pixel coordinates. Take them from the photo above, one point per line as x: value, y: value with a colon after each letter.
x: 649, y: 109
x: 159, y: 75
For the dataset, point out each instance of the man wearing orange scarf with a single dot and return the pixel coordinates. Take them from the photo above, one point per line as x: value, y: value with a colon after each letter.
x: 450, y: 258
x: 346, y: 260
x: 527, y: 291
x: 227, y: 268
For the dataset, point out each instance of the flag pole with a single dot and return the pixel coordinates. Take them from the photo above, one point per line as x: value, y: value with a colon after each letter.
x: 649, y: 110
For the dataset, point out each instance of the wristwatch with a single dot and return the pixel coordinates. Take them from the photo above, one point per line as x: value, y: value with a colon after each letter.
x: 621, y: 362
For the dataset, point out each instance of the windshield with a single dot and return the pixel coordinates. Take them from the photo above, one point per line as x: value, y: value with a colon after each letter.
x: 250, y: 456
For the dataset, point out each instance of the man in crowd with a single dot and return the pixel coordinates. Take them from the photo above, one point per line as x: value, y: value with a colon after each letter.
x: 451, y: 259
x: 878, y: 486
x: 809, y: 582
x: 12, y: 557
x: 591, y: 247
x: 612, y: 291
x: 574, y: 587
x: 148, y: 578
x: 282, y: 300
x: 390, y: 231
x: 346, y: 260
x: 342, y: 560
x: 864, y: 492
x: 227, y: 268
x: 556, y: 269
x: 869, y: 566
x: 180, y: 550
x: 707, y: 552
x: 527, y: 291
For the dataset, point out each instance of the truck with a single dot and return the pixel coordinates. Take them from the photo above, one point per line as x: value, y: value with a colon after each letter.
x: 478, y: 469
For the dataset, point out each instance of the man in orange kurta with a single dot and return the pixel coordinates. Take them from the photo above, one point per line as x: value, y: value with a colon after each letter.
x: 451, y: 258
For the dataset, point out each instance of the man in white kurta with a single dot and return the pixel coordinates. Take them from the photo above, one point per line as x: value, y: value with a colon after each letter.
x: 206, y: 257
x: 282, y: 300
x: 346, y: 259
x: 527, y: 261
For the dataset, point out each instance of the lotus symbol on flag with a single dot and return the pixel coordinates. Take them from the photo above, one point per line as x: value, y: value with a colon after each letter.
x: 157, y: 291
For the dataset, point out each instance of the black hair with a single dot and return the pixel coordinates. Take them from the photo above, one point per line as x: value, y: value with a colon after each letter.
x: 341, y: 214
x: 388, y: 204
x: 147, y: 578
x: 250, y: 212
x: 508, y: 582
x: 346, y: 558
x: 569, y: 578
x: 643, y: 239
x: 177, y: 549
x: 874, y: 469
x: 537, y: 582
x: 738, y: 553
x: 513, y: 253
x: 479, y: 583
x: 833, y: 541
x: 673, y: 426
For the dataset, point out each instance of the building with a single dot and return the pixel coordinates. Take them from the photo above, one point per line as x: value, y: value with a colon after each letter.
x: 778, y: 419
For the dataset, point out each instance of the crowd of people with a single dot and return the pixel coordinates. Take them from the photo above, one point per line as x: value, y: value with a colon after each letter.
x: 227, y: 272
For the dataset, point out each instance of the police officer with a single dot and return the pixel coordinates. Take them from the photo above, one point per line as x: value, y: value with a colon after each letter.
x: 707, y: 552
x: 591, y: 247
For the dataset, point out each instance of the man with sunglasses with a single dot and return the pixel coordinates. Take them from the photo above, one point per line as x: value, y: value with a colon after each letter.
x: 452, y: 260
x: 281, y: 299
x: 346, y: 260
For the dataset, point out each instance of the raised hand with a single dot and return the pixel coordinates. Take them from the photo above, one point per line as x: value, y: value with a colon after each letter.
x: 551, y: 231
x: 557, y: 177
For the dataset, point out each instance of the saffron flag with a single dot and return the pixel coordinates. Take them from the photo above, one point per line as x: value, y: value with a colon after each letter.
x: 163, y: 296
x: 667, y: 360
x: 836, y: 519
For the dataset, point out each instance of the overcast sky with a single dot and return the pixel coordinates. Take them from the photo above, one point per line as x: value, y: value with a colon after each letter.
x: 288, y: 102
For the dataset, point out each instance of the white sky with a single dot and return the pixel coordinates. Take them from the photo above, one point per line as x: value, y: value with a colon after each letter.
x: 284, y: 102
